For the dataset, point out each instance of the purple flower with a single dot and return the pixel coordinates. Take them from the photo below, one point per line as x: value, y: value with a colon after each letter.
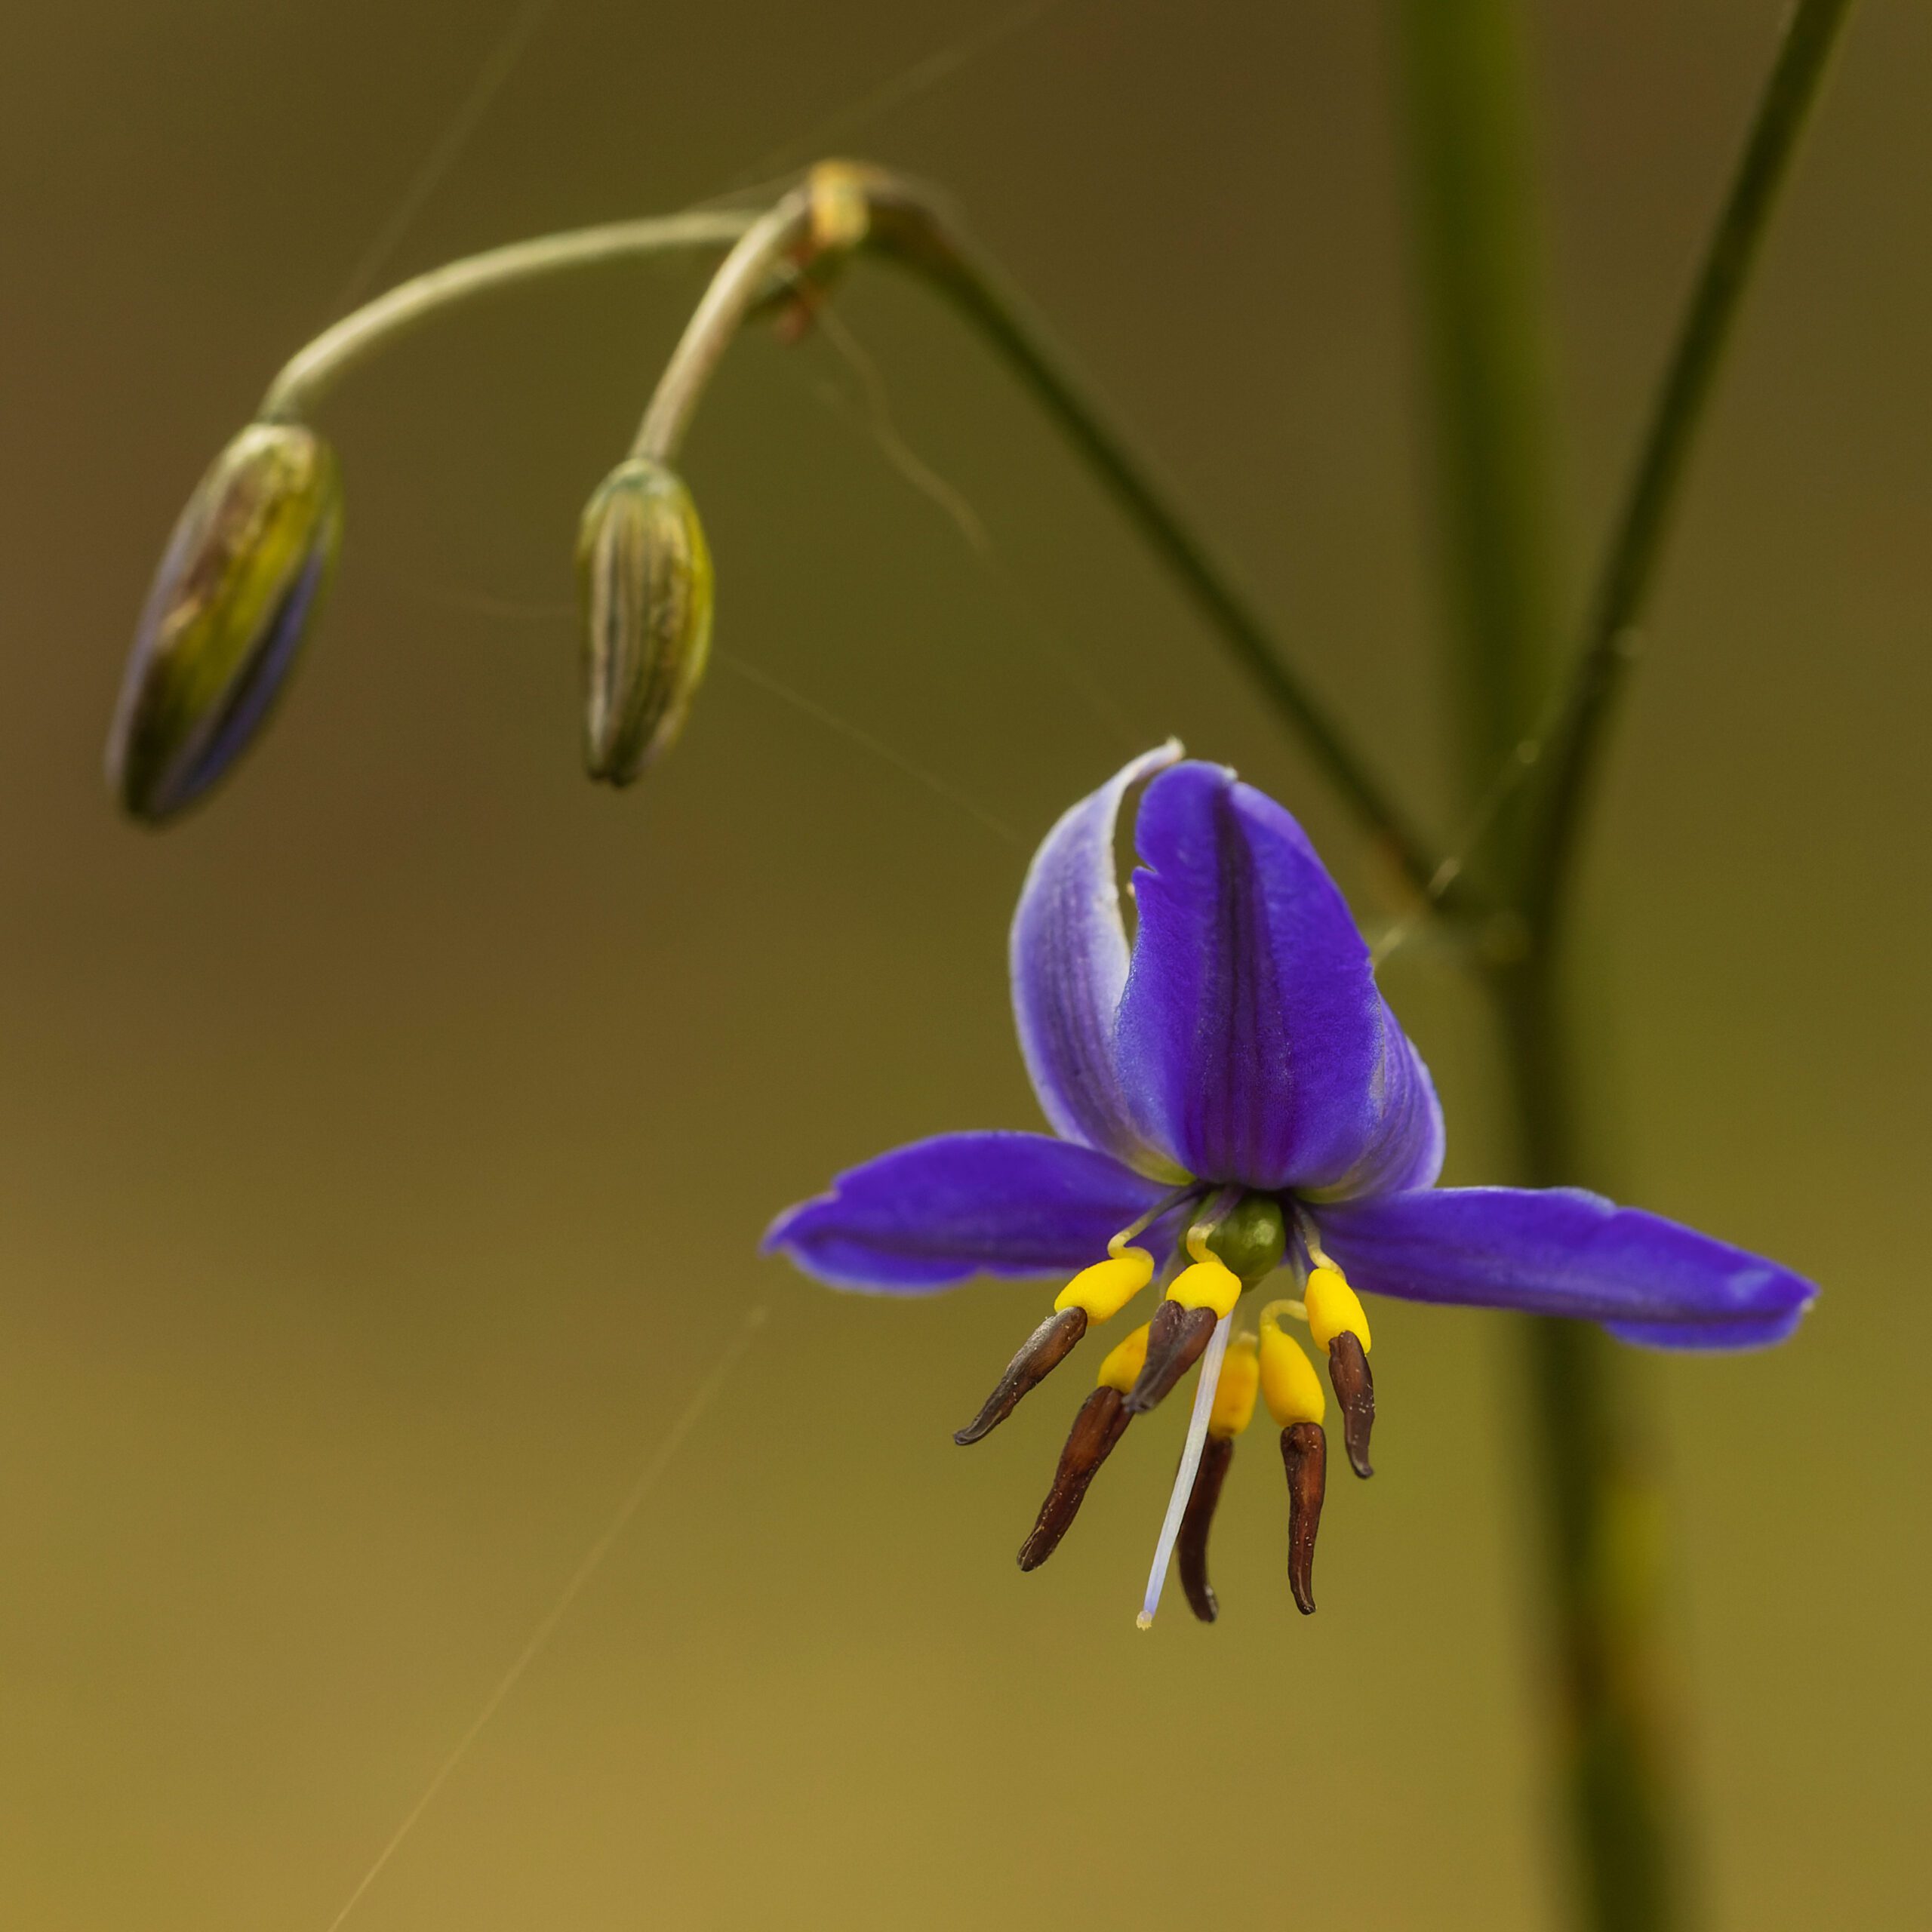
x: 1230, y: 1092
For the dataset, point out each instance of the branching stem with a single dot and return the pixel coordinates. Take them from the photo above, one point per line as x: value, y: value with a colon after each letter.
x: 845, y: 208
x: 1630, y: 563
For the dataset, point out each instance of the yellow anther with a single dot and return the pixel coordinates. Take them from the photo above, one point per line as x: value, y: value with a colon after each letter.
x: 1125, y: 1360
x: 1106, y: 1287
x: 1234, y: 1393
x: 1334, y: 1308
x: 1209, y: 1284
x: 1289, y: 1384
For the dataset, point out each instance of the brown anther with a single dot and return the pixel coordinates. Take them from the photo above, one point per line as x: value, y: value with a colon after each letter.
x: 1355, y: 1389
x: 1175, y: 1339
x: 1042, y: 1352
x: 1305, y: 1456
x: 1216, y: 1453
x: 1101, y: 1422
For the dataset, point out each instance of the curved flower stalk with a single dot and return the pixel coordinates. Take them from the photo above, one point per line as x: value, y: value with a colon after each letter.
x: 1229, y: 1092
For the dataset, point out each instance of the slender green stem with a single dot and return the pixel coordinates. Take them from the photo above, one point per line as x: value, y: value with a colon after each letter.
x: 1599, y: 1502
x: 1476, y: 221
x: 844, y: 209
x: 1593, y: 1487
x: 1608, y: 1729
x: 745, y: 275
x: 1630, y: 565
x: 1469, y: 155
x: 312, y: 371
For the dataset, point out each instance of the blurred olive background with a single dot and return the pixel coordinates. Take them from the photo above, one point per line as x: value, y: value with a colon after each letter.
x: 384, y: 1152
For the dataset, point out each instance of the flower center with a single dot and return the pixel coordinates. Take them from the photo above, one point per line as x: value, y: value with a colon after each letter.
x: 1233, y: 1240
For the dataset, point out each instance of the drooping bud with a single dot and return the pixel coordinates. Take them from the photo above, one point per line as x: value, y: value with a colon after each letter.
x: 240, y: 583
x: 644, y: 573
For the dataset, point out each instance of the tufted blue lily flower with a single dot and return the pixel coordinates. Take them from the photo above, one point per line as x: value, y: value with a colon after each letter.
x: 1230, y: 1093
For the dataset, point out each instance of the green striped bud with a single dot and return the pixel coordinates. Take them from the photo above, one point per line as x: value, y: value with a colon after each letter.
x: 241, y: 581
x: 644, y: 575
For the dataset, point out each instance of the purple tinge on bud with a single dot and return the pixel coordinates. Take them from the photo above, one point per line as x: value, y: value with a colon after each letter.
x: 238, y: 587
x: 1216, y: 1453
x: 1040, y: 1354
x: 1355, y: 1389
x: 1101, y: 1422
x: 1305, y: 1456
x: 644, y: 572
x: 1176, y: 1337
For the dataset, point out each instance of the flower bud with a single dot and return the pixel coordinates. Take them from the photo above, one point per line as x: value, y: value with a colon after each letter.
x: 241, y: 581
x: 644, y: 572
